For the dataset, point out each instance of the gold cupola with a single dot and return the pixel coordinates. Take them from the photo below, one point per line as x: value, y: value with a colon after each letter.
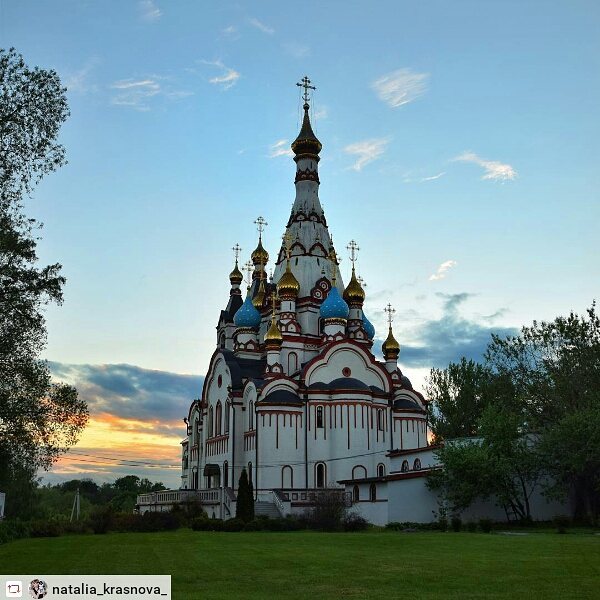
x: 288, y: 286
x: 391, y: 347
x: 259, y: 299
x: 236, y: 277
x: 273, y: 337
x: 354, y: 294
x: 260, y: 257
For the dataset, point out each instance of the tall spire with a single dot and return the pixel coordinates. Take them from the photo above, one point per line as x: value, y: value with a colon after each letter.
x: 306, y: 142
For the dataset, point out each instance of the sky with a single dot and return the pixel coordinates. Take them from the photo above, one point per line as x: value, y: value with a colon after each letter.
x: 460, y: 150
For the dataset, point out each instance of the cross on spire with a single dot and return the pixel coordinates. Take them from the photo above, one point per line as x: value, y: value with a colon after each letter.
x: 390, y: 314
x: 260, y: 225
x: 361, y: 281
x: 333, y: 257
x: 353, y: 248
x: 236, y: 251
x: 287, y: 241
x: 305, y: 83
x: 248, y: 268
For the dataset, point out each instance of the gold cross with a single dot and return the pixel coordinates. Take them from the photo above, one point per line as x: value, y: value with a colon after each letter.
x: 260, y: 225
x: 353, y: 248
x: 390, y: 313
x: 236, y: 251
x: 287, y: 240
x: 249, y: 267
x: 305, y: 83
x: 361, y: 281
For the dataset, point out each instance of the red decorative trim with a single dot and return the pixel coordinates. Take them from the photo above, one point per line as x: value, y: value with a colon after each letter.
x: 306, y: 175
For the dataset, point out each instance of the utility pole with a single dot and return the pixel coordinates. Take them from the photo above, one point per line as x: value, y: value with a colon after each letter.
x: 75, y: 511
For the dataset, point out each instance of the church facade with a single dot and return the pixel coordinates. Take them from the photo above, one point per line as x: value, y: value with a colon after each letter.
x: 293, y: 392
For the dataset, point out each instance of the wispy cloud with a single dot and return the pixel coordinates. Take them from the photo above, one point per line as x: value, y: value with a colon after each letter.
x: 149, y: 11
x: 400, y: 87
x: 135, y: 93
x: 261, y: 26
x: 78, y: 81
x: 231, y: 30
x: 280, y: 148
x: 296, y: 50
x: 321, y: 113
x: 442, y: 270
x: 227, y: 79
x: 367, y: 151
x: 494, y: 169
x: 433, y: 177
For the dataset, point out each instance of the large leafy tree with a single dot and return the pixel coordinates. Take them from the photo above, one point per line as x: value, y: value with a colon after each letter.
x: 38, y: 419
x: 458, y: 396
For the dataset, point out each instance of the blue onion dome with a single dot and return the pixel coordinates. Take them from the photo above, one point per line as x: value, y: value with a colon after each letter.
x: 247, y: 315
x: 334, y: 306
x: 368, y: 327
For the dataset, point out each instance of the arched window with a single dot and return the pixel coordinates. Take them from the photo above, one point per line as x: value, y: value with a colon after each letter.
x: 218, y: 419
x: 222, y: 340
x: 405, y: 466
x: 210, y: 422
x: 287, y: 477
x: 355, y: 494
x: 417, y: 464
x: 251, y: 415
x: 372, y: 492
x: 250, y: 474
x: 380, y: 420
x: 225, y: 474
x: 319, y: 417
x: 227, y: 411
x: 359, y: 472
x: 292, y: 363
x: 195, y: 431
x: 321, y: 475
x: 380, y: 470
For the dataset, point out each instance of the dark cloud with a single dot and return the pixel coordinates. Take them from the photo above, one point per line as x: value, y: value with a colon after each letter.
x: 445, y: 340
x: 131, y: 392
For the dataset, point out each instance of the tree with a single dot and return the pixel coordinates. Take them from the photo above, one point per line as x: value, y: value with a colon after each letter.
x: 244, y: 508
x: 457, y: 397
x: 38, y: 419
x: 554, y: 370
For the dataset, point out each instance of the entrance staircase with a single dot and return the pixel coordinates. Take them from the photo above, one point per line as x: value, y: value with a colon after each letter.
x: 266, y: 509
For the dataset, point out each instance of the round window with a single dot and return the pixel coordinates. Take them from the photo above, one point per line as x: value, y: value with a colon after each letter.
x: 346, y: 372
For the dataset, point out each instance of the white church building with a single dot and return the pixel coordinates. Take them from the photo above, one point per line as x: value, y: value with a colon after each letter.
x: 294, y: 392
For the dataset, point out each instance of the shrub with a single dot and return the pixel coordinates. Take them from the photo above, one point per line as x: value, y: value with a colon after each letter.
x: 233, y: 525
x: 472, y: 526
x: 254, y: 525
x: 13, y: 530
x: 328, y: 512
x: 485, y: 525
x: 561, y: 522
x: 354, y: 522
x: 442, y: 524
x: 43, y: 528
x: 456, y: 524
x: 101, y: 519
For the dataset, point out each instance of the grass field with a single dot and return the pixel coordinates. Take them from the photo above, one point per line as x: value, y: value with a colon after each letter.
x: 313, y: 565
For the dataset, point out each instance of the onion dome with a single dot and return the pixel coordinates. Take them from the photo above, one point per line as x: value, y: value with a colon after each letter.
x: 390, y: 348
x: 273, y: 337
x: 259, y: 299
x: 235, y: 277
x: 368, y: 327
x: 288, y: 285
x: 306, y: 142
x: 260, y: 256
x: 334, y: 306
x: 247, y: 315
x: 354, y: 293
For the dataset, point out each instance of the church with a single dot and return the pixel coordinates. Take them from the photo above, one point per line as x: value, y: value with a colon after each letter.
x: 294, y: 392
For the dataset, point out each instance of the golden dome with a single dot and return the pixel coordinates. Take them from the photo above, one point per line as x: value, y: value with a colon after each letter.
x: 288, y: 284
x: 306, y: 142
x: 391, y: 348
x: 260, y: 256
x: 259, y: 299
x: 354, y: 293
x: 236, y: 277
x: 273, y: 337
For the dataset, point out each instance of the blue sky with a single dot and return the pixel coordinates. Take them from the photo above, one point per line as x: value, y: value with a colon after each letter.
x: 460, y: 149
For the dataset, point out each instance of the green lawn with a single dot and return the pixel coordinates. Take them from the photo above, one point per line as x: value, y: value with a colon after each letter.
x: 313, y: 565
